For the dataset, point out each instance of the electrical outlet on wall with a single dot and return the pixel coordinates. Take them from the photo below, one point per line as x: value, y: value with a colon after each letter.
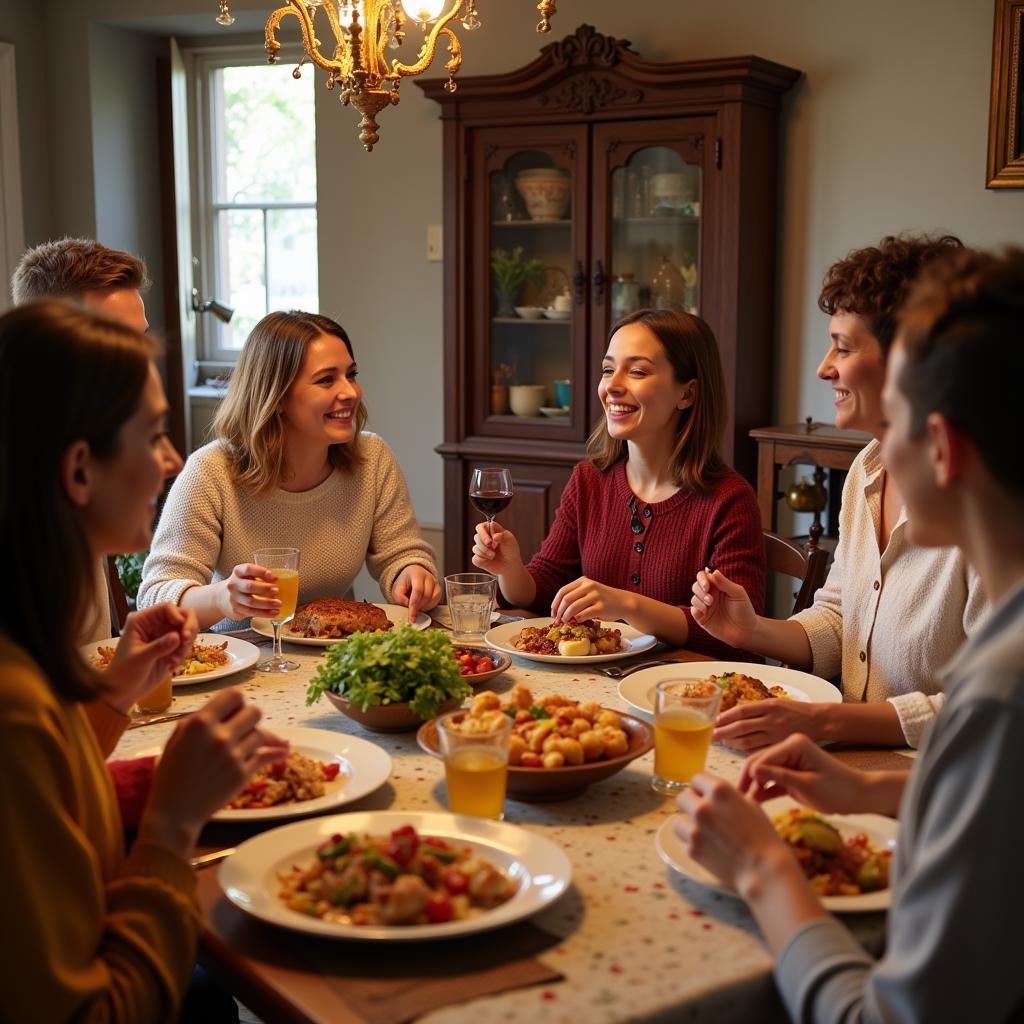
x: 435, y: 243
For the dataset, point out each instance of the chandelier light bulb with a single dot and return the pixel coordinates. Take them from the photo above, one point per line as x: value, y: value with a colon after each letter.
x: 423, y: 11
x: 356, y: 60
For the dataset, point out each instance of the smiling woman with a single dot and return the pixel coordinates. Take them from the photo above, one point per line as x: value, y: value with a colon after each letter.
x: 78, y: 481
x: 652, y: 504
x: 291, y: 466
x: 891, y: 613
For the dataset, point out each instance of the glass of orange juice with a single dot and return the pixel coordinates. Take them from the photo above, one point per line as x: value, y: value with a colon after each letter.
x: 284, y: 564
x: 475, y: 765
x: 684, y: 715
x: 158, y: 699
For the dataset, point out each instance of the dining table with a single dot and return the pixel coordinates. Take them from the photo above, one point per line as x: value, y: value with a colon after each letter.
x: 631, y: 939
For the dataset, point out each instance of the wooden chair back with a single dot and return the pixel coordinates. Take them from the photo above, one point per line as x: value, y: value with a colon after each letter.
x: 809, y: 565
x: 118, y: 600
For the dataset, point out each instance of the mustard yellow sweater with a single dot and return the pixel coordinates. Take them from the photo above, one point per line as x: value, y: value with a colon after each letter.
x: 89, y: 934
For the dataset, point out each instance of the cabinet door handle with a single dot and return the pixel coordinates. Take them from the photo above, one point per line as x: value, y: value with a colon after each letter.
x: 579, y: 283
x: 598, y: 282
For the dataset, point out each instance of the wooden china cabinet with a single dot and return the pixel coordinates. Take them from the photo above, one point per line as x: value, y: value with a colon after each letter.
x: 624, y: 183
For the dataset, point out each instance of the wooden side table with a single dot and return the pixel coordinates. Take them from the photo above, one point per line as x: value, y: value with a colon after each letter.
x: 809, y: 443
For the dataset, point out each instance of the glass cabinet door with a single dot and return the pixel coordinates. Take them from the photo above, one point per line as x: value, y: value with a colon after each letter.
x: 532, y: 307
x: 655, y: 239
x: 650, y: 202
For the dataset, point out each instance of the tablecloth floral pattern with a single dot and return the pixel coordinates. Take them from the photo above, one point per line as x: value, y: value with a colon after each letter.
x: 638, y: 941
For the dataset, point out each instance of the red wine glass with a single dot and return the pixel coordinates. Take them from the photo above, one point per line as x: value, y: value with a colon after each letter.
x: 490, y: 491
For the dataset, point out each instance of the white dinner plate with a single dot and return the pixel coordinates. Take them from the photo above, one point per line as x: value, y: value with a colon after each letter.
x: 395, y: 612
x: 540, y: 869
x: 881, y: 833
x: 637, y: 689
x: 501, y: 639
x: 241, y: 655
x: 364, y: 767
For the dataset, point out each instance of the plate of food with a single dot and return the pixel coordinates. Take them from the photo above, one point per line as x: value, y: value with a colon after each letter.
x: 558, y: 746
x: 326, y: 620
x: 431, y: 875
x: 213, y: 656
x: 846, y: 857
x: 568, y: 643
x: 323, y: 771
x: 742, y: 682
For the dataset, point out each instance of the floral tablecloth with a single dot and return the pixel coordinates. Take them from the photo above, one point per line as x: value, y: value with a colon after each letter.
x: 638, y: 941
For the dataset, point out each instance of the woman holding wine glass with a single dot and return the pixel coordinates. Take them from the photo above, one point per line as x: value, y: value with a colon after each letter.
x: 94, y: 933
x: 653, y: 503
x: 291, y: 464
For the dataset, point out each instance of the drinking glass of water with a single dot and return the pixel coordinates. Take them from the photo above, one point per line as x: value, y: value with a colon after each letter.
x: 470, y: 597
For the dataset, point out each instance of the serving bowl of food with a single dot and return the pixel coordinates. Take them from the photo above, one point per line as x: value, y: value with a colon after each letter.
x: 391, y: 681
x: 558, y: 746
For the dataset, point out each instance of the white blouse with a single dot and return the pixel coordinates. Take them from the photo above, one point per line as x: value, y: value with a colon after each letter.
x: 887, y: 622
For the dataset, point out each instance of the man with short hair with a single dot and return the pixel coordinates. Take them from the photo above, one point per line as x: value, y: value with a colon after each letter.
x: 109, y: 281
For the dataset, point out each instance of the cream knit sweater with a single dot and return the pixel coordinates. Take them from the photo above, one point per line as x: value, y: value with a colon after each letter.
x: 209, y: 525
x: 887, y: 622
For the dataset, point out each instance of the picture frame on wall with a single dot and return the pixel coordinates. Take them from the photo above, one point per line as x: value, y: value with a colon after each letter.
x: 1006, y: 111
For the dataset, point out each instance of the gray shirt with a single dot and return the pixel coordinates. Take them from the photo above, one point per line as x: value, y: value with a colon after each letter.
x: 956, y: 927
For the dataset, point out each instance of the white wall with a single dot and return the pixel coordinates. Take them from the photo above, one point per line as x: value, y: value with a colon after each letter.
x: 887, y: 131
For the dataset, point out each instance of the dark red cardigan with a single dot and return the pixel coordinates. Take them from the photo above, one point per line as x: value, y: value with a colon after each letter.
x: 591, y: 536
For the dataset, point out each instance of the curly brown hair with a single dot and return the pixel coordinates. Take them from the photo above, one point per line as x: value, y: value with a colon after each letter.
x: 873, y: 282
x: 69, y: 267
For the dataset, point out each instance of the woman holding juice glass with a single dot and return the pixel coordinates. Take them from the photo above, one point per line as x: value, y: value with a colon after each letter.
x: 890, y: 613
x: 652, y: 504
x: 952, y: 950
x: 291, y: 464
x: 99, y: 934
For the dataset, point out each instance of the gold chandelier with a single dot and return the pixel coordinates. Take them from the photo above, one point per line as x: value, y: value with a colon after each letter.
x: 363, y: 30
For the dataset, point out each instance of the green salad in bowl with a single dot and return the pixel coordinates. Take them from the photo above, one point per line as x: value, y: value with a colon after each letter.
x: 391, y: 681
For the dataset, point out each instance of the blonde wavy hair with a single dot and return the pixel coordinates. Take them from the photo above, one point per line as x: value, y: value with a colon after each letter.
x: 693, y: 355
x: 247, y: 421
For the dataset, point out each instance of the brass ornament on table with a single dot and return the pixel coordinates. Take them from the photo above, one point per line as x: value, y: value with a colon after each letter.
x: 363, y: 30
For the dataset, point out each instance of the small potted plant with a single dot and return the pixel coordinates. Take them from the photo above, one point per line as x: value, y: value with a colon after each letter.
x: 510, y: 271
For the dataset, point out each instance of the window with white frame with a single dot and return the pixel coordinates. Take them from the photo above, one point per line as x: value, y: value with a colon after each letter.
x: 254, y: 193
